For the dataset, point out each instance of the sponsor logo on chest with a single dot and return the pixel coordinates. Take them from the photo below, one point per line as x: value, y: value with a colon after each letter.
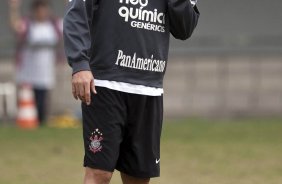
x: 136, y: 13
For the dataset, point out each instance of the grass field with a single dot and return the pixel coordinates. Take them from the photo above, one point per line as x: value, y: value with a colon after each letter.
x: 194, y: 151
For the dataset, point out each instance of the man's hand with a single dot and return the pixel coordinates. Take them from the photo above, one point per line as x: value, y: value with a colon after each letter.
x: 82, y: 85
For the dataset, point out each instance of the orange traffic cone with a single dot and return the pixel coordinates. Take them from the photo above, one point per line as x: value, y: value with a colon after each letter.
x: 27, y: 113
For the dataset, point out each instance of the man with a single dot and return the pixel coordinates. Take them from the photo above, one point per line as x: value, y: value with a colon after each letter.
x: 123, y: 44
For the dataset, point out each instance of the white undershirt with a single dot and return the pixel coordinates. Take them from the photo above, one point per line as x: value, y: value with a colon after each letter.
x: 129, y: 88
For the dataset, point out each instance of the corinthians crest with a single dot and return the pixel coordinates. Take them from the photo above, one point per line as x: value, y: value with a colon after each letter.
x: 95, y: 144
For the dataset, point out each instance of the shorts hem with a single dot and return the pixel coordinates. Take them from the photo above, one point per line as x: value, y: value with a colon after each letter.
x: 93, y: 166
x: 143, y: 176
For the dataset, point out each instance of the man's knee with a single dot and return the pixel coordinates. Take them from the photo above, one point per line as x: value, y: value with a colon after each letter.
x: 126, y: 179
x: 97, y: 176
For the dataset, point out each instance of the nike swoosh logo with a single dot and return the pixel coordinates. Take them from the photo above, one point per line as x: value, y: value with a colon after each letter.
x: 158, y: 161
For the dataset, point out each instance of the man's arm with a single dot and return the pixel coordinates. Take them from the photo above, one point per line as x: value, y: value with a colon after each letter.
x: 77, y: 39
x: 77, y: 34
x: 183, y: 18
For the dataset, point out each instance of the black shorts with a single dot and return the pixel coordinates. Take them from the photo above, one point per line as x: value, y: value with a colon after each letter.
x: 122, y: 131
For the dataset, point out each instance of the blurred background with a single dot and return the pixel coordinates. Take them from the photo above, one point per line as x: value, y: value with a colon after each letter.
x: 223, y: 103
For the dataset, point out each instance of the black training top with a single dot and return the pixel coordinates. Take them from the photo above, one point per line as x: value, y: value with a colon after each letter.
x: 126, y: 40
